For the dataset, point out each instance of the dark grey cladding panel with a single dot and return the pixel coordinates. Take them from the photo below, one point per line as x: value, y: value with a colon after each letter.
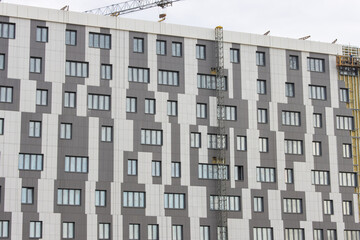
x: 100, y: 91
x: 295, y: 76
x: 264, y: 105
x: 178, y: 213
x: 322, y: 162
x: 269, y: 157
x: 77, y: 52
x: 37, y: 49
x: 4, y: 49
x: 69, y: 87
x: 292, y: 108
x: 70, y: 183
x: 205, y: 65
x: 48, y: 87
x: 264, y: 214
x: 212, y: 222
x: 31, y: 183
x: 80, y: 221
x: 139, y: 91
x: 264, y: 74
x: 2, y: 194
x: 295, y: 157
x: 175, y: 142
x: 27, y: 218
x: 323, y: 129
x: 106, y: 153
x: 15, y: 104
x: 169, y: 63
x: 293, y: 216
x: 30, y: 144
x: 236, y: 75
x: 204, y: 100
x: 133, y: 179
x: 128, y: 212
x: 104, y: 212
x: 142, y: 220
x: 138, y: 59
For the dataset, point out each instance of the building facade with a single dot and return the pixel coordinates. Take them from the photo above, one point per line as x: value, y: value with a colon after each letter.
x: 109, y: 129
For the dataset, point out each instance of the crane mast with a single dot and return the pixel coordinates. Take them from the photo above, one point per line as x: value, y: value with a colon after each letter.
x: 130, y: 6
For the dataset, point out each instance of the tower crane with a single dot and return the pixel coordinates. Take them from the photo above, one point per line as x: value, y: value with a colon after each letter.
x: 130, y: 6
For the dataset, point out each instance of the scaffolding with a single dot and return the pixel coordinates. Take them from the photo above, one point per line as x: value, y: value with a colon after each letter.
x: 348, y: 71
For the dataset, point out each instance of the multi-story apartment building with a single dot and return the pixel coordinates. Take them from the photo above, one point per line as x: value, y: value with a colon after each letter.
x: 109, y: 129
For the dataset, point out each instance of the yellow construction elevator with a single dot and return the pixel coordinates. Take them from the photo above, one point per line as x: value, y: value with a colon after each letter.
x: 348, y: 71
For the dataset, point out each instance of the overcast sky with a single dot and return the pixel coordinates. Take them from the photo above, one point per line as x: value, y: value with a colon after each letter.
x: 324, y: 20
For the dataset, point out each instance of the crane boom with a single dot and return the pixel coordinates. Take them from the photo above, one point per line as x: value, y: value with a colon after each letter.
x: 130, y: 6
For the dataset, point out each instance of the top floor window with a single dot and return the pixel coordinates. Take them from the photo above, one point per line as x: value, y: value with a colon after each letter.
x: 70, y: 37
x: 7, y: 30
x: 138, y: 45
x: 98, y: 40
x: 200, y: 51
x: 260, y: 58
x: 176, y: 49
x: 160, y: 47
x: 234, y: 55
x: 294, y: 62
x: 41, y: 34
x: 315, y: 65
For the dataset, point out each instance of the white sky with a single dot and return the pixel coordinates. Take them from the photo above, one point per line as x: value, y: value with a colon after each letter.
x: 324, y: 20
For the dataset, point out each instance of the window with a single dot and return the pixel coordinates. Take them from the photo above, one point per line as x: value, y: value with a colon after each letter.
x: 294, y: 233
x: 226, y: 113
x: 352, y: 234
x: 7, y: 30
x: 344, y: 95
x: 98, y: 102
x: 2, y: 61
x: 317, y: 92
x: 106, y: 71
x: 225, y: 203
x: 41, y: 34
x: 213, y: 171
x: 318, y: 234
x: 106, y: 133
x: 263, y: 144
x: 160, y: 47
x: 195, y: 140
x: 170, y: 78
x: 76, y: 69
x: 200, y: 51
x: 104, y: 230
x: 347, y: 150
x: 292, y: 205
x: 258, y: 204
x: 290, y: 118
x: 69, y: 197
x: 131, y: 104
x: 316, y: 148
x: 265, y: 174
x: 262, y: 233
x: 156, y: 168
x: 100, y: 198
x: 175, y: 169
x: 69, y: 99
x: 153, y: 232
x: 34, y: 129
x: 70, y: 37
x: 262, y: 115
x: 261, y: 86
x: 176, y: 49
x: 328, y: 207
x: 150, y: 106
x: 347, y: 179
x: 4, y: 225
x: 289, y: 89
x: 174, y: 200
x: 27, y: 195
x: 331, y: 234
x: 320, y: 177
x: 138, y: 45
x: 216, y: 141
x: 6, y: 94
x: 76, y: 164
x: 316, y: 65
x: 344, y: 122
x: 138, y: 75
x: 97, y: 40
x: 293, y: 147
x: 234, y: 55
x: 134, y: 231
x: 260, y: 58
x: 177, y: 232
x: 68, y: 230
x: 241, y: 144
x: 201, y: 110
x: 222, y: 233
x: 294, y: 62
x: 317, y: 120
x: 41, y: 97
x: 1, y: 126
x: 151, y: 137
x: 172, y: 108
x: 204, y: 233
x: 132, y: 167
x: 65, y: 130
x: 239, y: 173
x: 289, y: 175
x: 134, y: 199
x: 35, y: 229
x: 32, y: 162
x: 210, y: 82
x: 35, y: 64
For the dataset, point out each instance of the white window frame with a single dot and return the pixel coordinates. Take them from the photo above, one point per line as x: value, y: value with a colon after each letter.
x: 35, y: 129
x: 318, y: 234
x: 351, y: 234
x: 331, y: 234
x: 134, y: 199
x: 76, y: 164
x: 347, y: 208
x: 205, y: 81
x: 134, y: 231
x: 204, y: 232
